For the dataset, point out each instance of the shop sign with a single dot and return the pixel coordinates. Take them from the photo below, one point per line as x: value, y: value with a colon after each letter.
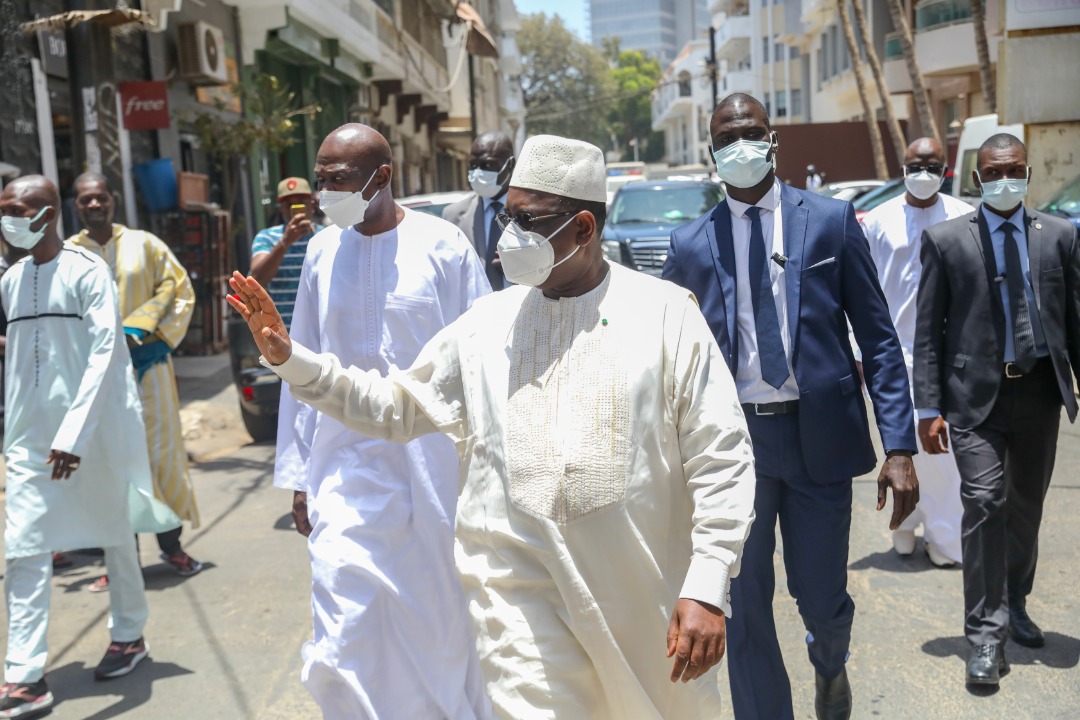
x: 145, y: 105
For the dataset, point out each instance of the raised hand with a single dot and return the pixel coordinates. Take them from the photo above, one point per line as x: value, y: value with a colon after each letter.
x: 263, y: 319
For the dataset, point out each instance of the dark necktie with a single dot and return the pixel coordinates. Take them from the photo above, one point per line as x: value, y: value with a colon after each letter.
x: 1023, y: 334
x: 774, y: 367
x: 494, y: 273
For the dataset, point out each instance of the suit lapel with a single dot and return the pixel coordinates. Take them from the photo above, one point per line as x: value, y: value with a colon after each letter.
x: 1035, y: 254
x: 794, y: 218
x: 718, y: 233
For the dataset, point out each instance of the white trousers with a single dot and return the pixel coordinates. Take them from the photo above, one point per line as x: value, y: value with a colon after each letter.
x: 28, y: 589
x: 939, y: 510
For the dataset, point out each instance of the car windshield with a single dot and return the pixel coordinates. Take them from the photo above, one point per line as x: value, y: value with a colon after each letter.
x: 872, y: 199
x: 1066, y: 201
x: 663, y: 205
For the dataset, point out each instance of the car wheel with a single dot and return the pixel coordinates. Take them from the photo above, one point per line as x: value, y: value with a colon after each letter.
x: 261, y: 428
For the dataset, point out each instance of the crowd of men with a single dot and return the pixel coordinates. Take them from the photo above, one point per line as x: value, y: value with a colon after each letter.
x: 516, y: 464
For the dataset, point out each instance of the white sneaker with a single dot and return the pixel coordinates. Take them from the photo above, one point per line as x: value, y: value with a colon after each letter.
x: 903, y: 541
x: 939, y: 558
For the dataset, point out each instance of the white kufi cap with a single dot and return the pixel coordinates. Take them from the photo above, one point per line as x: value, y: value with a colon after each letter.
x: 561, y: 166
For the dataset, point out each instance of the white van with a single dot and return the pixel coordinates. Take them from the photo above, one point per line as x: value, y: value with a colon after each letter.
x: 977, y: 130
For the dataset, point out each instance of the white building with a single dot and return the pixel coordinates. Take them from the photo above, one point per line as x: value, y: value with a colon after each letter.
x: 680, y: 106
x: 759, y: 52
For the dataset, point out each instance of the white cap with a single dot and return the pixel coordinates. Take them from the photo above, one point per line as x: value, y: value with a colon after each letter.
x: 561, y: 166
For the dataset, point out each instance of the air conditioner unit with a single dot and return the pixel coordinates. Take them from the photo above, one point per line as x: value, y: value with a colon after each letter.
x: 200, y: 48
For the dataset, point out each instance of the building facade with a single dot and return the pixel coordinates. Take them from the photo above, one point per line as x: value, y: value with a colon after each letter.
x: 680, y: 107
x: 659, y: 28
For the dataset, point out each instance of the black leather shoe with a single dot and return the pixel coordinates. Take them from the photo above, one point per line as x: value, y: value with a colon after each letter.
x: 833, y: 701
x: 986, y: 665
x: 1023, y: 631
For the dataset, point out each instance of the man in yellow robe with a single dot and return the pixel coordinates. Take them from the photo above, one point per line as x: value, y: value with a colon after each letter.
x: 156, y: 303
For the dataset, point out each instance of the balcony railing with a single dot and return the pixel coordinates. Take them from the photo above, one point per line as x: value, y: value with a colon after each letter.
x: 932, y: 14
x: 893, y: 49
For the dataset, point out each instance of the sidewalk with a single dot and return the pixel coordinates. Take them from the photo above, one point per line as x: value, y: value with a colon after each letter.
x: 209, y: 406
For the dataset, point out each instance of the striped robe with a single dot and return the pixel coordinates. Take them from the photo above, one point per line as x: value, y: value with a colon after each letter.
x: 156, y: 297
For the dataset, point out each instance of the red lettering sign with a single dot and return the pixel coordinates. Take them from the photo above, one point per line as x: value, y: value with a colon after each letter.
x: 145, y: 105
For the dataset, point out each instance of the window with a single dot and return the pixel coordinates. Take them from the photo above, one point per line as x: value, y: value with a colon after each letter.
x: 796, y: 102
x: 684, y: 84
x: 821, y: 65
x: 765, y: 49
x: 778, y: 52
x: 781, y: 103
x: 793, y: 52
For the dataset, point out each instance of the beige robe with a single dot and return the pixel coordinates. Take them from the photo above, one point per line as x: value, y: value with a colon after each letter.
x: 156, y: 297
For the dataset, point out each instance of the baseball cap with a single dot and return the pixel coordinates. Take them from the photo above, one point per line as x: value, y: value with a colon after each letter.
x: 293, y: 186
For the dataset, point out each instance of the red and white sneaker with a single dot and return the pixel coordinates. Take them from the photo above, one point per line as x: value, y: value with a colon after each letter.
x: 21, y: 699
x: 120, y: 659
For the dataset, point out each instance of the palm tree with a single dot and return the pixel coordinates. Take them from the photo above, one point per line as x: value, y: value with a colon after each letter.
x: 860, y: 82
x: 982, y: 49
x: 918, y: 87
x: 895, y: 132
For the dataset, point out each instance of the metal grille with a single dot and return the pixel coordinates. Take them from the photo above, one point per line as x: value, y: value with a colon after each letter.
x: 649, y: 259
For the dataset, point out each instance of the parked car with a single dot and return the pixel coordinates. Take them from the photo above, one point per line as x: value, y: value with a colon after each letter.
x: 872, y: 199
x: 433, y: 203
x: 643, y: 214
x: 258, y: 387
x: 1066, y: 203
x: 849, y: 190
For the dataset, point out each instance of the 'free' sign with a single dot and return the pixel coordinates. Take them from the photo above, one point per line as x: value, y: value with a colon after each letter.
x: 145, y: 105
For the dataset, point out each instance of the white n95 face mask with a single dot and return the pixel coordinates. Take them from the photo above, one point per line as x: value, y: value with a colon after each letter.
x: 17, y: 230
x: 346, y: 209
x: 744, y: 163
x: 922, y: 185
x: 1006, y: 194
x: 527, y: 257
x: 485, y: 183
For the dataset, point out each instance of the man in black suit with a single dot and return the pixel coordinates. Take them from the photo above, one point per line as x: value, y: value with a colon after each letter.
x: 491, y: 163
x: 998, y: 329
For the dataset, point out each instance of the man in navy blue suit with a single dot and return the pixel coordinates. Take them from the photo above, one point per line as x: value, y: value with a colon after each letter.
x: 779, y: 274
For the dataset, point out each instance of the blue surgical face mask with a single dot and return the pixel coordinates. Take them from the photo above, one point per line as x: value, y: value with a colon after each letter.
x: 1005, y: 194
x: 17, y: 230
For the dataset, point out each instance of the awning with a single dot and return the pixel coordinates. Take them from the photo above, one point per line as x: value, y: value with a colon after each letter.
x: 479, y: 41
x: 123, y: 20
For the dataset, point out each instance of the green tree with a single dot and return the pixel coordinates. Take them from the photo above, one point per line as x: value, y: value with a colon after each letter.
x: 567, y: 84
x: 635, y: 76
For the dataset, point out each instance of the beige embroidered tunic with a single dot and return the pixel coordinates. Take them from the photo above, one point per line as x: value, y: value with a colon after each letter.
x: 606, y: 471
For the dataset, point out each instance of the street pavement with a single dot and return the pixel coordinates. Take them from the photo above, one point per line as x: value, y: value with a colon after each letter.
x: 225, y: 643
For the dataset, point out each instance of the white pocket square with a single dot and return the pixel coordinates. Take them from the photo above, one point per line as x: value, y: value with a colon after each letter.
x: 823, y: 262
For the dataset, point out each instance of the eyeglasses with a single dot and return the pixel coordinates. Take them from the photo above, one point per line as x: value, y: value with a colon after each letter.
x: 525, y: 220
x: 932, y: 168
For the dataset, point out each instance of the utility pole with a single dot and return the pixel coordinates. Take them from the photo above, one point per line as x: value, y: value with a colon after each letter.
x: 713, y: 68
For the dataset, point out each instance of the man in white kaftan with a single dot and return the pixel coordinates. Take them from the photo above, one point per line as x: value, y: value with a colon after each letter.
x: 78, y: 474
x: 894, y: 231
x: 606, y: 467
x: 391, y: 632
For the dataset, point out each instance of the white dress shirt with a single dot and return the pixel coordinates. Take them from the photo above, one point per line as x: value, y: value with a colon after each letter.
x: 752, y: 389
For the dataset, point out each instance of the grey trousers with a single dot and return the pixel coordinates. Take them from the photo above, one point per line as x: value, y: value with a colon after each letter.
x: 1005, y: 467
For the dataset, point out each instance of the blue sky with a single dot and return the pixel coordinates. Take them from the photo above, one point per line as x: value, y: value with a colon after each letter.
x: 571, y: 11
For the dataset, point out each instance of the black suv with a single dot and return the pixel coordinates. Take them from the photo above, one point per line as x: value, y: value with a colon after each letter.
x: 643, y: 214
